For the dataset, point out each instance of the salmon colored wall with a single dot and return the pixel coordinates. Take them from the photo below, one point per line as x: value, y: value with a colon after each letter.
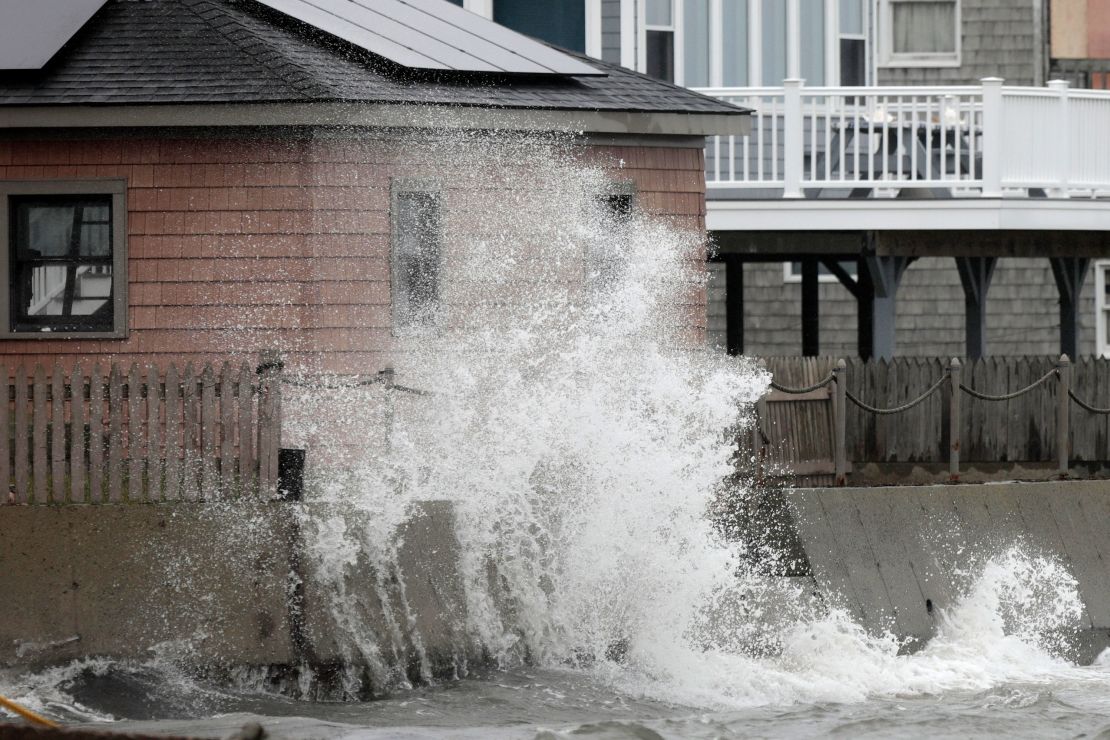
x: 1098, y: 29
x: 238, y: 245
x: 1080, y: 29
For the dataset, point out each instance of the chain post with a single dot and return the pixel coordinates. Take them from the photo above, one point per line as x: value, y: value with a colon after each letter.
x: 1063, y: 419
x: 955, y: 374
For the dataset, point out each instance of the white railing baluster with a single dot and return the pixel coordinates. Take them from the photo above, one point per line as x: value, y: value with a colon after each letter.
x: 841, y: 133
x: 930, y: 114
x: 915, y: 132
x: 717, y: 158
x: 759, y: 148
x: 900, y: 123
x: 747, y: 167
x: 732, y: 159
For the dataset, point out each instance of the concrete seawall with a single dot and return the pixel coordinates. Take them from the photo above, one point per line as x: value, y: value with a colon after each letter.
x: 896, y: 557
x: 213, y: 585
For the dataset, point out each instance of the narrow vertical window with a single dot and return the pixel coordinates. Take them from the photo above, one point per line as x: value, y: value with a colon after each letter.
x: 61, y: 261
x: 417, y: 258
x: 659, y: 39
x: 604, y: 256
x: 853, y: 43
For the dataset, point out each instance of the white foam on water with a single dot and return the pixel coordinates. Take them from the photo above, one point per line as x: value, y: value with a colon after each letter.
x: 1009, y: 628
x: 584, y: 439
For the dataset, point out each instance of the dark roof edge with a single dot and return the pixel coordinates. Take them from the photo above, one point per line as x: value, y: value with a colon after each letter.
x: 387, y: 115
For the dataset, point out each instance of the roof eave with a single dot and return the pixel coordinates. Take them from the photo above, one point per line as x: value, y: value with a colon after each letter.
x: 375, y: 115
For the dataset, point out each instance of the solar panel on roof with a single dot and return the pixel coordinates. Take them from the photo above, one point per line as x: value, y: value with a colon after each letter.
x: 33, y: 31
x: 431, y: 34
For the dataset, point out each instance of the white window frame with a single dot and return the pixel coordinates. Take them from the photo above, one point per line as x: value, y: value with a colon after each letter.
x: 788, y: 275
x: 678, y: 47
x: 401, y: 326
x: 1102, y: 308
x: 836, y: 35
x: 634, y: 30
x: 887, y: 57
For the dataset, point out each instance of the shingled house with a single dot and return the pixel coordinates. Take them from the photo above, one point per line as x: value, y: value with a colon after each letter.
x: 168, y: 165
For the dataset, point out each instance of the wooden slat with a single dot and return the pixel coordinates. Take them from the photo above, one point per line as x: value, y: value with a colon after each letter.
x: 226, y: 470
x: 173, y: 434
x: 115, y: 434
x: 135, y: 441
x: 77, y: 470
x: 155, y: 469
x: 247, y: 470
x: 22, y: 434
x: 58, y: 435
x: 275, y: 428
x: 209, y: 421
x: 263, y: 435
x: 40, y: 471
x: 8, y: 491
x: 189, y: 434
x: 96, y: 434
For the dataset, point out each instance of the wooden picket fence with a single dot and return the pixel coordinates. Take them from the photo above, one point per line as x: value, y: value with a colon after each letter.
x: 139, y: 434
x: 1056, y: 421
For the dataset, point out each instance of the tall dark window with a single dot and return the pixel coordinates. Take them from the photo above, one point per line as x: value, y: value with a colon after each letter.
x: 604, y: 258
x: 659, y: 39
x: 417, y: 259
x: 853, y: 62
x: 61, y: 264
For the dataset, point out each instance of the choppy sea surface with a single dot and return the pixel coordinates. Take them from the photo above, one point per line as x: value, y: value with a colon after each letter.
x: 1071, y: 702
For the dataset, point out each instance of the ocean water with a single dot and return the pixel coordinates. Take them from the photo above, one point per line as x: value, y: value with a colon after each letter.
x: 587, y: 442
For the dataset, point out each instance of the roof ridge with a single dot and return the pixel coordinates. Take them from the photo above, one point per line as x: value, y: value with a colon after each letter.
x: 295, y: 75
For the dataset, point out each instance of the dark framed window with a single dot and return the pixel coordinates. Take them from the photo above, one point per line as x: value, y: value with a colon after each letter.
x: 65, y: 259
x: 659, y: 45
x: 604, y: 260
x: 417, y: 255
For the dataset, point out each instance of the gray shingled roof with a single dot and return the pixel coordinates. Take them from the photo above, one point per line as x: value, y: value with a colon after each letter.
x: 234, y: 51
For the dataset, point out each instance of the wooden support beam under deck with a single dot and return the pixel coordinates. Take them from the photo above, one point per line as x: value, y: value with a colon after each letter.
x: 975, y: 276
x: 1070, y: 272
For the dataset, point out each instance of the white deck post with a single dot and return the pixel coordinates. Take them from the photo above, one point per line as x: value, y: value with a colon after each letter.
x: 1060, y: 138
x: 793, y: 138
x: 992, y: 137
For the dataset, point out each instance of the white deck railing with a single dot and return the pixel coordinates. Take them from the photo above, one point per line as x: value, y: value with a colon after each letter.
x: 983, y: 140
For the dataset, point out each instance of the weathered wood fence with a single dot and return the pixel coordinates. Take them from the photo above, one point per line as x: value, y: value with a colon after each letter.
x: 138, y: 433
x: 1018, y: 410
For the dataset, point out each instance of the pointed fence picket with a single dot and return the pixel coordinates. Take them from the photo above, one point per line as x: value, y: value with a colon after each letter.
x: 138, y: 433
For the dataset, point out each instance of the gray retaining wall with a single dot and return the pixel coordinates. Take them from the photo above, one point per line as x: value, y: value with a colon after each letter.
x: 895, y: 557
x: 216, y: 585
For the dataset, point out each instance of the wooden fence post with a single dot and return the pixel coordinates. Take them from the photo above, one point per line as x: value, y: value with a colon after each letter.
x: 1063, y: 402
x: 955, y: 373
x: 388, y: 380
x: 840, y: 422
x: 269, y: 419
